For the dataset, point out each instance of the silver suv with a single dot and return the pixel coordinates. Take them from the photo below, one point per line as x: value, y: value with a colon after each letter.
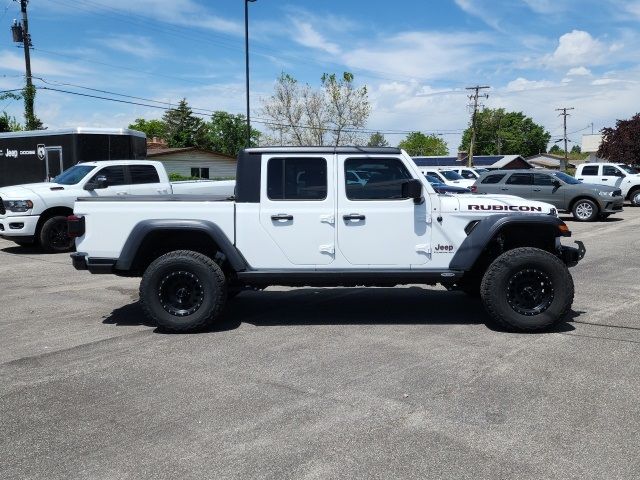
x: 586, y: 202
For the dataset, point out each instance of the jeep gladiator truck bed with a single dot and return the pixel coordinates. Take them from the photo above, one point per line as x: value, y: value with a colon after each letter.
x: 297, y: 219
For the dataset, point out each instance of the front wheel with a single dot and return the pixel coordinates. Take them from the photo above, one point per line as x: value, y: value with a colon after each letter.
x: 527, y: 290
x: 183, y: 291
x: 585, y: 210
x: 53, y: 235
x: 635, y: 198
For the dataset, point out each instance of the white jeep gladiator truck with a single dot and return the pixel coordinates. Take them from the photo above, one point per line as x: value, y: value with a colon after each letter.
x: 37, y: 212
x: 296, y: 220
x: 615, y: 175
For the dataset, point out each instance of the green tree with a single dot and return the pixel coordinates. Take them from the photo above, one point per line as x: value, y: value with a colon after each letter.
x: 152, y: 128
x: 9, y: 123
x: 576, y: 149
x: 227, y: 133
x: 622, y: 143
x: 418, y: 144
x: 556, y: 150
x: 377, y: 140
x: 499, y: 132
x: 183, y: 128
x: 31, y: 121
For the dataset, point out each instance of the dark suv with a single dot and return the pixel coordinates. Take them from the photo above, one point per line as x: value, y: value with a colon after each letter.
x: 585, y: 201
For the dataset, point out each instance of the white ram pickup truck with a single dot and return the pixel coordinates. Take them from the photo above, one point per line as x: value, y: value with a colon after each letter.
x: 615, y: 175
x: 297, y: 220
x: 37, y: 212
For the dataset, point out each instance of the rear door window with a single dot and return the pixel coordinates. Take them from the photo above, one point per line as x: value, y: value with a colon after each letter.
x: 297, y: 179
x: 590, y: 170
x: 143, y: 174
x: 520, y: 179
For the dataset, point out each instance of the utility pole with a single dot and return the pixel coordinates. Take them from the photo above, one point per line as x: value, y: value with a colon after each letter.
x: 21, y: 35
x: 564, y: 162
x: 474, y: 99
x: 246, y: 60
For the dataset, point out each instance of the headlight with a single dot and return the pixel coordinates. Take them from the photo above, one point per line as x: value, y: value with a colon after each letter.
x: 605, y: 194
x: 18, y: 205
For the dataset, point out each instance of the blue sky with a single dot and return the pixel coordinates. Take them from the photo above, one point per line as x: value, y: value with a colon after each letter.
x: 416, y: 57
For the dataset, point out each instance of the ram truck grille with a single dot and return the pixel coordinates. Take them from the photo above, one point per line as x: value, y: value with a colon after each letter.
x: 2, y: 210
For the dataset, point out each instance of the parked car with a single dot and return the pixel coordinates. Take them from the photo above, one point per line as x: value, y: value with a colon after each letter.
x: 440, y: 187
x: 37, y: 212
x: 466, y: 172
x: 586, y: 202
x: 614, y: 174
x: 448, y: 177
x: 297, y: 221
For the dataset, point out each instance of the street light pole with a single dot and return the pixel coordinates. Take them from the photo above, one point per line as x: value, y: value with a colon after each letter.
x: 246, y: 51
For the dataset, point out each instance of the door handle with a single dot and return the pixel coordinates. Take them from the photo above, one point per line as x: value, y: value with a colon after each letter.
x: 605, y: 179
x: 281, y: 216
x: 504, y: 189
x: 536, y: 189
x: 353, y: 216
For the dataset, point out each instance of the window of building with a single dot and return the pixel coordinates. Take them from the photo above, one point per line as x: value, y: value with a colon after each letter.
x: 297, y: 179
x: 200, y: 172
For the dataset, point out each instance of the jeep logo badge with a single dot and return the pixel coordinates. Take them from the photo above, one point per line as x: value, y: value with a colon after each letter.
x: 42, y: 152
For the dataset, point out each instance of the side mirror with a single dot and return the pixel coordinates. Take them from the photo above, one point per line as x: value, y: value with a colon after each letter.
x: 412, y: 189
x: 99, y: 183
x: 557, y: 184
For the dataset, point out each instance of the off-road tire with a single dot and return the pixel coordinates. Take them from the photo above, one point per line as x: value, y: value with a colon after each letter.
x: 207, y: 279
x: 586, y: 204
x: 51, y: 235
x: 497, y: 285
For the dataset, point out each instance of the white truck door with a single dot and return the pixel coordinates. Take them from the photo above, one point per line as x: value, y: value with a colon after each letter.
x: 116, y: 181
x: 376, y: 225
x: 144, y: 180
x: 611, y: 175
x: 297, y: 206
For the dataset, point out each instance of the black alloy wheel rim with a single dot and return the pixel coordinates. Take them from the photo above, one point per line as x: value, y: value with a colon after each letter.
x: 530, y: 292
x: 58, y: 235
x: 180, y: 293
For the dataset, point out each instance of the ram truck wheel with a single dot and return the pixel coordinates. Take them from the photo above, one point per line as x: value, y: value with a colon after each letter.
x: 527, y: 290
x: 585, y: 210
x: 183, y: 291
x: 53, y: 235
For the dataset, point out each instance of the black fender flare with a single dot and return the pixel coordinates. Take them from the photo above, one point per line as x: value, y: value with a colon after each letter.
x: 146, y: 227
x: 488, y: 227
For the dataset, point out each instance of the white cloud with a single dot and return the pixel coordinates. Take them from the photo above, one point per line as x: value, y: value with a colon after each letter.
x: 39, y: 66
x: 579, y: 72
x: 481, y: 10
x: 545, y: 6
x: 423, y: 55
x: 305, y: 34
x: 578, y: 48
x: 136, y: 45
x: 520, y: 84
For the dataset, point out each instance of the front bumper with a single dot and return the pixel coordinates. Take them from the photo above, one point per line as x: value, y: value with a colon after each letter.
x: 614, y: 205
x: 572, y: 255
x: 23, y: 226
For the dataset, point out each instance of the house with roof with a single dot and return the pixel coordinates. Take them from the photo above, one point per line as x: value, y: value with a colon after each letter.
x: 550, y: 161
x: 492, y: 162
x: 193, y: 162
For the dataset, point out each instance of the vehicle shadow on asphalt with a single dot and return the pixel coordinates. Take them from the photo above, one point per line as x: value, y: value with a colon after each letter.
x: 605, y: 220
x: 341, y: 306
x: 26, y: 250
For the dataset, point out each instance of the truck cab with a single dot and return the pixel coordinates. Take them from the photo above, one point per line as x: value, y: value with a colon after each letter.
x: 299, y: 218
x: 620, y: 175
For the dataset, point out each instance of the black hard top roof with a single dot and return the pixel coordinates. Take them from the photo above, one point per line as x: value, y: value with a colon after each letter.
x: 327, y: 149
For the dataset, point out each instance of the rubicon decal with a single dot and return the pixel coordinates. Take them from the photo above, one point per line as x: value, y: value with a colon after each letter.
x: 505, y: 208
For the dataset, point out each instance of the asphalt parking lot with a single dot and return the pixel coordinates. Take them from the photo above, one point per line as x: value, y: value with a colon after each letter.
x: 319, y: 383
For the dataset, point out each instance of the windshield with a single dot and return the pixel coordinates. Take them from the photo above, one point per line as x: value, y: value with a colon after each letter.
x: 566, y: 178
x: 73, y: 175
x: 433, y: 180
x: 628, y: 169
x: 450, y: 175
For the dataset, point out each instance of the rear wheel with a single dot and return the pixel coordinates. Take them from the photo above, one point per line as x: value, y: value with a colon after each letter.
x: 53, y: 235
x: 527, y: 290
x: 183, y: 291
x: 635, y: 198
x: 585, y: 210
